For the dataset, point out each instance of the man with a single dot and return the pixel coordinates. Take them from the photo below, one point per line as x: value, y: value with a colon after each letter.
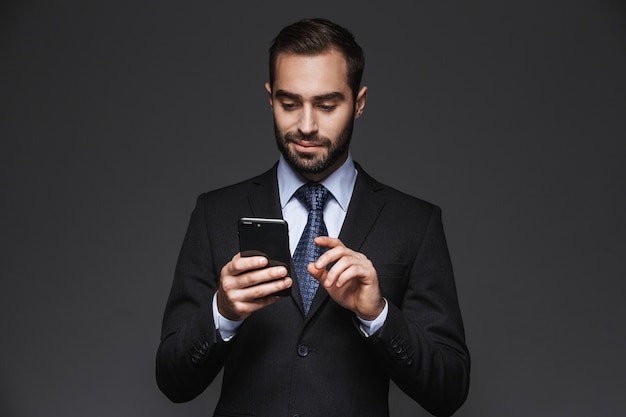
x: 379, y: 303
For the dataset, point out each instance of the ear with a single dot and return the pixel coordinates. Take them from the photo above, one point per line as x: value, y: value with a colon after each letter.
x: 359, y: 104
x: 268, y: 88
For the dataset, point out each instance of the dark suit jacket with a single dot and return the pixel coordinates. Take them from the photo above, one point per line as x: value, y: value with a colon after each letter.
x: 282, y: 363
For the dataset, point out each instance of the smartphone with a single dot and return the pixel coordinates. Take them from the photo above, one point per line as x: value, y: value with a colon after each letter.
x: 269, y: 238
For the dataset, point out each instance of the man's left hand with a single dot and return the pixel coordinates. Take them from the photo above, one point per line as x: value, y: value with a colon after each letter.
x: 351, y: 281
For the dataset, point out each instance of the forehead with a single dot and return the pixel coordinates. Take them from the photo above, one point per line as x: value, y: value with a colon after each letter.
x: 310, y: 75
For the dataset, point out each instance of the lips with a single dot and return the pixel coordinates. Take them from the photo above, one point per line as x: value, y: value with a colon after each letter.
x: 304, y: 146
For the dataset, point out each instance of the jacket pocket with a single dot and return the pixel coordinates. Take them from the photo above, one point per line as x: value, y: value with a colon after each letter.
x: 392, y: 281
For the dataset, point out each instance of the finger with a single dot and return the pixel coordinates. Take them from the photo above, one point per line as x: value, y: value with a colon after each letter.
x: 352, y: 272
x: 330, y: 256
x: 362, y: 269
x: 259, y: 294
x: 327, y: 242
x: 328, y: 276
x: 317, y: 273
x: 241, y: 264
x: 260, y: 276
x: 338, y: 274
x: 239, y: 296
x: 233, y: 283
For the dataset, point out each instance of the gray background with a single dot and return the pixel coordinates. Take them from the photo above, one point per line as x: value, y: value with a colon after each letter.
x: 115, y: 115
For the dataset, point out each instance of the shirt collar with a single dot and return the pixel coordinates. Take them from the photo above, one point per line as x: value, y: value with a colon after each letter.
x: 340, y: 183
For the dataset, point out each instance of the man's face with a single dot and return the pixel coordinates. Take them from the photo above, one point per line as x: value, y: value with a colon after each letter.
x: 314, y: 111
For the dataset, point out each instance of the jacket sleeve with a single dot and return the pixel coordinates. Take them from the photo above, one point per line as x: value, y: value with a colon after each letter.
x: 191, y: 352
x: 422, y: 343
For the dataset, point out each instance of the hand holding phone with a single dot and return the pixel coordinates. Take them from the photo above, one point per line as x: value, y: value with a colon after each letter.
x: 268, y: 238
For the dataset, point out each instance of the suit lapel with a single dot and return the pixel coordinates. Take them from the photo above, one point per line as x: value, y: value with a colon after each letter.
x: 264, y: 199
x: 365, y: 205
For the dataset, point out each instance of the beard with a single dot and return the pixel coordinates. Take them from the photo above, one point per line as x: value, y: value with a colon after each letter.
x: 306, y: 163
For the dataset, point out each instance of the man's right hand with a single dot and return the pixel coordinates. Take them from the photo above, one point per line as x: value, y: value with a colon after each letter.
x: 246, y: 286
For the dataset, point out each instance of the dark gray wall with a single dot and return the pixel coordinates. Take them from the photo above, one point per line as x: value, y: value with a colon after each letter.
x: 115, y: 115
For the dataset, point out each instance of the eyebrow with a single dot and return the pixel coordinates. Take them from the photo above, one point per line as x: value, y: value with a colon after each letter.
x: 336, y: 95
x: 330, y: 96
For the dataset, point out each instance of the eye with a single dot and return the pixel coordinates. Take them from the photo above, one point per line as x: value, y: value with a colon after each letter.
x: 327, y: 107
x: 288, y: 106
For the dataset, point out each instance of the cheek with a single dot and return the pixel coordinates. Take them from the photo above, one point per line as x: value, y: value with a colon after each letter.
x: 285, y: 120
x: 334, y: 125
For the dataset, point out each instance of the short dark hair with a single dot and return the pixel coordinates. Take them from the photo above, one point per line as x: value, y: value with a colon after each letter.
x: 315, y: 36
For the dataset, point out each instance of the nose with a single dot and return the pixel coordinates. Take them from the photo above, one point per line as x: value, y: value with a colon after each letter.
x: 307, y: 125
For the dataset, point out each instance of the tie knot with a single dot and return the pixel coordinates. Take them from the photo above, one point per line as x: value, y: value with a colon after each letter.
x: 313, y: 195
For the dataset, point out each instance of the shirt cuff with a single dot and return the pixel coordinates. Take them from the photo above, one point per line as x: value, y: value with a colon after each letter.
x: 227, y: 328
x: 369, y: 327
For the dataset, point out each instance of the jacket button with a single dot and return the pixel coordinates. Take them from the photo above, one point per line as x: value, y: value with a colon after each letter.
x: 393, y: 343
x: 303, y: 350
